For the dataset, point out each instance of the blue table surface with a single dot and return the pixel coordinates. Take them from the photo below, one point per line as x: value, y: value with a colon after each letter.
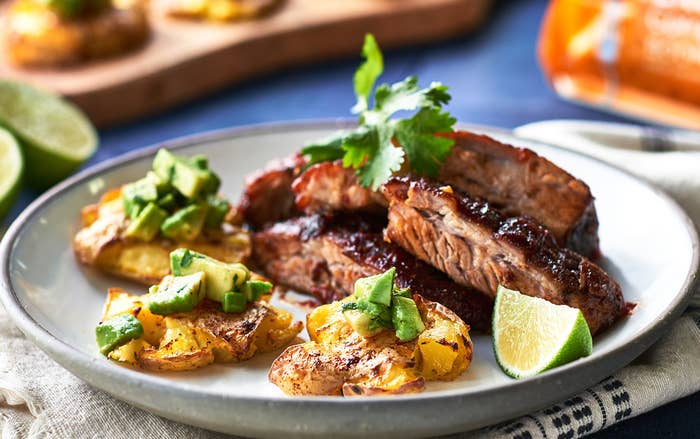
x: 494, y: 79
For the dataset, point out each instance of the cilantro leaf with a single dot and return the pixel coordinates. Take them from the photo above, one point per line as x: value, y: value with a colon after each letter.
x: 368, y: 72
x: 425, y: 151
x: 359, y: 146
x: 370, y: 148
x: 325, y: 150
x: 383, y: 163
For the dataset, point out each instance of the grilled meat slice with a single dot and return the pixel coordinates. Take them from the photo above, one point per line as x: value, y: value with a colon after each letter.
x: 479, y: 246
x: 328, y: 187
x: 268, y: 197
x: 516, y: 180
x: 520, y: 182
x: 325, y: 256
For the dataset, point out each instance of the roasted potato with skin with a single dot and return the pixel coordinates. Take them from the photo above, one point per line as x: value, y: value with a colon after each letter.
x: 37, y: 36
x: 100, y: 243
x: 339, y: 361
x: 188, y: 341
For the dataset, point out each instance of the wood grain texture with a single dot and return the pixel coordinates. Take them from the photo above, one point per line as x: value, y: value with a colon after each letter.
x: 187, y: 59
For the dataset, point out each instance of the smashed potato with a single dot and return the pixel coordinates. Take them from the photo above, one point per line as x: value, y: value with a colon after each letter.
x: 101, y: 244
x: 191, y: 340
x: 339, y: 361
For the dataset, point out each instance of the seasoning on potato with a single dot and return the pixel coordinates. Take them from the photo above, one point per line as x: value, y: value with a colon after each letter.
x: 185, y: 322
x: 381, y: 340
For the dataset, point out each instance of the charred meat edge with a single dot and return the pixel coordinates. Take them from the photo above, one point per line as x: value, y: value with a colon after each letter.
x: 480, y: 247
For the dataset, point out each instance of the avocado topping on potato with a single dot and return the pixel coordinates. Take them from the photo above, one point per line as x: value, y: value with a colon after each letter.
x: 178, y: 325
x: 380, y: 304
x: 178, y: 198
x: 359, y: 347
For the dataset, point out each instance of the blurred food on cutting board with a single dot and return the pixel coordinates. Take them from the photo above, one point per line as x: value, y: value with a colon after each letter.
x: 220, y: 10
x: 232, y: 40
x: 50, y: 33
x: 636, y: 57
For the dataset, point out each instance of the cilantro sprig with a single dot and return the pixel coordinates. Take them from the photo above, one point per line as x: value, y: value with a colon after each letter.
x: 380, y: 144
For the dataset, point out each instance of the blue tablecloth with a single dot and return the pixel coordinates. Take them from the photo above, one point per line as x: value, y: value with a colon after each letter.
x: 494, y: 80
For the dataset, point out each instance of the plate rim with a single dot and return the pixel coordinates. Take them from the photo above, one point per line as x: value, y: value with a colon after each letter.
x: 62, y: 352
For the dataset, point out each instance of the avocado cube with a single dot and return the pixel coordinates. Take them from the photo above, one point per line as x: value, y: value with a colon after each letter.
x: 117, y: 331
x: 221, y: 277
x: 218, y: 208
x: 253, y: 289
x: 213, y: 182
x: 200, y: 161
x: 162, y: 185
x: 168, y: 202
x: 177, y: 294
x: 188, y: 179
x: 403, y: 292
x: 406, y: 318
x: 234, y: 302
x: 361, y: 323
x: 147, y: 225
x: 378, y: 288
x: 186, y: 224
x: 136, y: 195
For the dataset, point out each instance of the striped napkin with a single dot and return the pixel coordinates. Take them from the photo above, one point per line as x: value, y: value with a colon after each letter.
x: 38, y: 398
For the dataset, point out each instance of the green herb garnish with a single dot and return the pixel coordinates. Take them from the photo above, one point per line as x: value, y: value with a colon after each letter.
x: 380, y: 144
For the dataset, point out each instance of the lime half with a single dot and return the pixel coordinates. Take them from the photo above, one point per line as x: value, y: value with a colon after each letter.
x: 55, y: 135
x: 12, y: 166
x: 531, y: 335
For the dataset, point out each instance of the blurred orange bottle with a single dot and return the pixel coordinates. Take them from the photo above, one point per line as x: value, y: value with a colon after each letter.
x: 640, y: 57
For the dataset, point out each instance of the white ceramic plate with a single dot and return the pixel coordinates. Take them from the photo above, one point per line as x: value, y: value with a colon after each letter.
x: 650, y: 246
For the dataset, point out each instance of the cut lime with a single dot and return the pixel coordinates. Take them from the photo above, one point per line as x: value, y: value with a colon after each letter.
x: 55, y: 135
x: 12, y: 166
x: 531, y: 335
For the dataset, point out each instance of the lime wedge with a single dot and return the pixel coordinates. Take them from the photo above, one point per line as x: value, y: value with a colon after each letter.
x: 12, y: 166
x: 56, y: 137
x: 531, y: 335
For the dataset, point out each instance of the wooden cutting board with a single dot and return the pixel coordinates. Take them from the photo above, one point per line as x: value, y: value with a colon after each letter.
x: 186, y: 59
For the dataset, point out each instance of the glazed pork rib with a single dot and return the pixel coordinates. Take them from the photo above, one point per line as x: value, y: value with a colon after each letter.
x: 478, y: 246
x: 325, y: 256
x: 520, y: 182
x: 268, y: 196
x: 516, y: 180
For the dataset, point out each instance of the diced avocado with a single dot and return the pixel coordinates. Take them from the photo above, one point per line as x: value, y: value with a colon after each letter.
x: 200, y: 161
x: 218, y: 208
x: 403, y: 292
x: 234, y: 302
x: 162, y: 185
x: 380, y: 314
x: 221, y: 277
x: 213, y: 183
x: 117, y: 331
x: 177, y: 294
x: 188, y: 179
x: 406, y: 318
x: 136, y: 195
x: 253, y: 289
x: 185, y: 224
x: 376, y: 289
x: 147, y: 225
x: 361, y: 323
x: 168, y: 202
